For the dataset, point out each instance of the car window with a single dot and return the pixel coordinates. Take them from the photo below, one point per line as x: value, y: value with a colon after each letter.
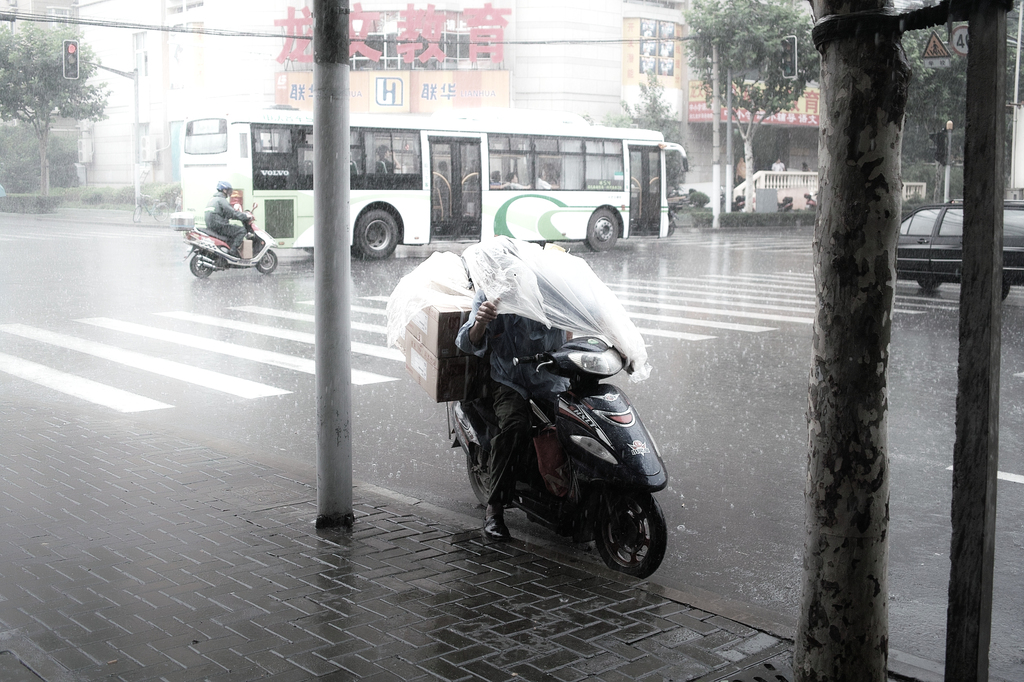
x: 920, y: 223
x: 1013, y: 223
x: 952, y: 223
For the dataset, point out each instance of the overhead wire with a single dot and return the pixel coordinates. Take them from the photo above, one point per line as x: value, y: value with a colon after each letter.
x: 202, y: 30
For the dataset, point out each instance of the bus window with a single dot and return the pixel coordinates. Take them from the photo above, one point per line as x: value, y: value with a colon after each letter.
x: 282, y: 157
x: 304, y: 147
x: 559, y: 163
x: 510, y: 156
x: 604, y: 165
x: 206, y: 136
x: 386, y: 159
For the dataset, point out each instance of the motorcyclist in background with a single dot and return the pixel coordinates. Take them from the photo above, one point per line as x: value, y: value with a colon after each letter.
x: 219, y: 214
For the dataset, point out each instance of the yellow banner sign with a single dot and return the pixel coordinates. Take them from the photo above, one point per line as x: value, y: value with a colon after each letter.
x: 403, y: 92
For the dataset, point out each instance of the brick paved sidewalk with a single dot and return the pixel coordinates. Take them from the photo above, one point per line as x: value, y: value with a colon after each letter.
x: 133, y: 555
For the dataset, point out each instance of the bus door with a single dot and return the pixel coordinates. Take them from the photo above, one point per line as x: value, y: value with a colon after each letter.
x: 455, y: 192
x: 644, y: 190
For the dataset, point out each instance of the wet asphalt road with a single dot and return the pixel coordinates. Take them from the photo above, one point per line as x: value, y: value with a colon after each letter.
x: 728, y: 410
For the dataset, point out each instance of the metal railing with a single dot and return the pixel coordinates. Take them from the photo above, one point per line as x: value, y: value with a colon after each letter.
x: 808, y: 182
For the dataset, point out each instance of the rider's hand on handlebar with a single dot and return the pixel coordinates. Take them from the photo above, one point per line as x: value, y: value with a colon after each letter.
x: 485, y: 314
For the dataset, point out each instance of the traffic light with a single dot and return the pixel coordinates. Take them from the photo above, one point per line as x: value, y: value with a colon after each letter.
x: 939, y: 138
x: 789, y: 57
x: 71, y: 59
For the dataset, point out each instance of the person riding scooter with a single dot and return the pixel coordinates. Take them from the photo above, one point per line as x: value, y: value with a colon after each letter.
x: 219, y: 214
x: 511, y: 387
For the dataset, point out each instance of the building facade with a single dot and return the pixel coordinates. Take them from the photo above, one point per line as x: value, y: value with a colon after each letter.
x: 579, y: 56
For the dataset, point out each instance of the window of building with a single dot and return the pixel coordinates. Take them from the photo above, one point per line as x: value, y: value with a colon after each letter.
x: 401, y: 46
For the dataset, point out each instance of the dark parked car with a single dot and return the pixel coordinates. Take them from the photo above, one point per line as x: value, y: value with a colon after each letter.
x: 931, y: 245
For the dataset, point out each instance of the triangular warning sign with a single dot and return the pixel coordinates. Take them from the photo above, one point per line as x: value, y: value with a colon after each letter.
x: 935, y: 48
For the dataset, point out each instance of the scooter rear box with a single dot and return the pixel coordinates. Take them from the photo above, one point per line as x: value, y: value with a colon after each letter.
x: 436, y: 327
x: 443, y: 379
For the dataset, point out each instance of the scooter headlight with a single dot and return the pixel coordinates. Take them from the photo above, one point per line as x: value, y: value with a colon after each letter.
x: 594, y: 448
x: 605, y: 364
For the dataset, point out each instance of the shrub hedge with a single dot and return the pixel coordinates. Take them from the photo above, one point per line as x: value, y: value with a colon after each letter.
x: 95, y: 197
x: 703, y: 219
x: 30, y: 203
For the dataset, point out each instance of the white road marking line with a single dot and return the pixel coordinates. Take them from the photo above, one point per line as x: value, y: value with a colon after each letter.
x: 718, y: 311
x: 289, y: 334
x: 701, y: 323
x: 682, y: 336
x: 1003, y: 476
x: 362, y: 309
x: 723, y: 300
x: 267, y: 357
x: 305, y: 317
x: 175, y: 370
x: 78, y: 387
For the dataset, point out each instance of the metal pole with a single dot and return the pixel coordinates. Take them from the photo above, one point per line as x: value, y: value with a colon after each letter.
x: 729, y: 174
x: 716, y: 142
x: 332, y: 268
x: 976, y: 450
x: 949, y: 159
x: 136, y: 142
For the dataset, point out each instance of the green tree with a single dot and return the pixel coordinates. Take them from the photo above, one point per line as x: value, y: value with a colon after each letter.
x: 748, y: 35
x: 35, y: 91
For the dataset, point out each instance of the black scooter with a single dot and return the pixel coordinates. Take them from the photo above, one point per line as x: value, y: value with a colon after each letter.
x: 601, y: 488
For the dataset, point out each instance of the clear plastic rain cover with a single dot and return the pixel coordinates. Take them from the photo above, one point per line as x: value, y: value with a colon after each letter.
x: 548, y: 285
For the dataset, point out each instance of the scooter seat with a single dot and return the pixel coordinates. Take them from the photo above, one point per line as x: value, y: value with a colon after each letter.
x: 210, y: 233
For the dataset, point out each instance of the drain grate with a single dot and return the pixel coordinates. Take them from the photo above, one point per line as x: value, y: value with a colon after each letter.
x: 762, y: 672
x: 774, y: 664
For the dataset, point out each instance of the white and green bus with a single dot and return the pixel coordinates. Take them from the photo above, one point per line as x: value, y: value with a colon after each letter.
x: 447, y: 177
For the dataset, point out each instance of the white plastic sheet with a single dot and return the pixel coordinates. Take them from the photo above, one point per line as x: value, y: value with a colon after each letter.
x: 557, y: 289
x: 439, y: 280
x: 547, y: 285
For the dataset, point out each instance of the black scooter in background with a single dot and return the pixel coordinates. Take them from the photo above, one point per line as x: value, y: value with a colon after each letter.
x: 602, y: 488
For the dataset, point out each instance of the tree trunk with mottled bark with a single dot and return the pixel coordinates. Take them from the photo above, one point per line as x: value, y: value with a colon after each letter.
x: 843, y: 629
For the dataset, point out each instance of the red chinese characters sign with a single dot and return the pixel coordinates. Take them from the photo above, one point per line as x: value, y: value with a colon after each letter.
x: 419, y: 35
x: 803, y: 113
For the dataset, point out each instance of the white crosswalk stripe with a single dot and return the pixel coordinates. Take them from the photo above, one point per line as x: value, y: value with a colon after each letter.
x: 304, y: 365
x: 289, y: 334
x: 78, y: 387
x: 216, y: 381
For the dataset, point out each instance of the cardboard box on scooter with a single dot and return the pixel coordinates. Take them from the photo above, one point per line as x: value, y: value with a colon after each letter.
x: 443, y: 379
x: 246, y: 249
x: 436, y: 327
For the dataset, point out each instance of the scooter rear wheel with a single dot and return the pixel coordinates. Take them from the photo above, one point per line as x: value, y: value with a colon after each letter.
x: 631, y: 533
x: 477, y: 476
x: 198, y: 268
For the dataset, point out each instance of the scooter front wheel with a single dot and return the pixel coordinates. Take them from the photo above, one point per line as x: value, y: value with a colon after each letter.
x: 268, y: 263
x: 631, y: 533
x: 199, y: 268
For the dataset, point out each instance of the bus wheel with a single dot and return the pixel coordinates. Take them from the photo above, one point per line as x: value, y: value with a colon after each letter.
x: 376, y: 235
x: 602, y: 231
